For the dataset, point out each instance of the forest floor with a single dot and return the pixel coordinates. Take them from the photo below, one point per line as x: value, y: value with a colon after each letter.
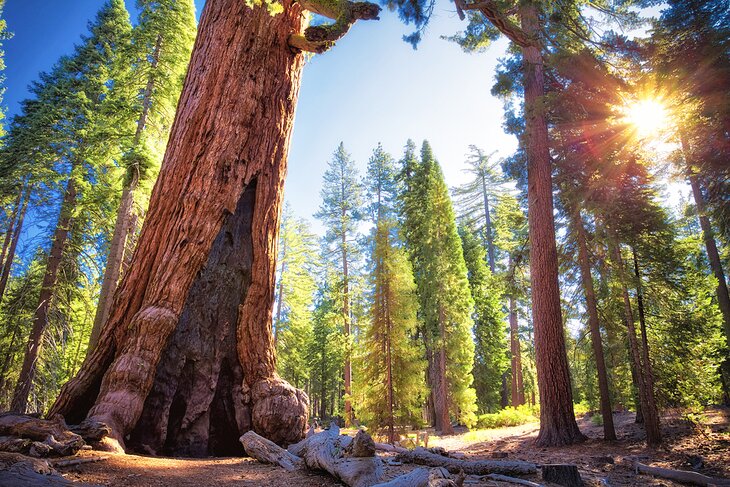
x: 687, y: 440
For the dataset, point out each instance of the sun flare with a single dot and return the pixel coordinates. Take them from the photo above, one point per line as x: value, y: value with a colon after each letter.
x: 648, y: 116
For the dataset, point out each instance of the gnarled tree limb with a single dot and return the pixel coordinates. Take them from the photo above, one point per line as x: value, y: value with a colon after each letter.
x: 500, y: 20
x: 319, y: 38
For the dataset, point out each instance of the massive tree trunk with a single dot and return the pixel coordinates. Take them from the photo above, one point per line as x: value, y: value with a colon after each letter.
x: 609, y: 433
x: 649, y: 411
x: 228, y: 145
x: 19, y: 403
x: 557, y: 419
x: 8, y: 262
x: 124, y: 225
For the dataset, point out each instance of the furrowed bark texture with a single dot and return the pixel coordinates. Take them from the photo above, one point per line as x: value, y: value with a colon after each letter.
x: 196, y: 405
x: 231, y: 134
x: 557, y: 421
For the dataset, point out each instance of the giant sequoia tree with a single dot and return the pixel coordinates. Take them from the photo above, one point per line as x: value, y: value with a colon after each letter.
x: 210, y: 237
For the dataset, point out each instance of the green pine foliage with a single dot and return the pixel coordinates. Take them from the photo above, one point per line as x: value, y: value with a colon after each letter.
x: 296, y: 286
x: 393, y: 364
x: 441, y: 276
x: 490, y: 351
x: 392, y: 361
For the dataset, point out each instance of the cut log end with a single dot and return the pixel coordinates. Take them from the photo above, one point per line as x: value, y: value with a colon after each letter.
x: 566, y: 475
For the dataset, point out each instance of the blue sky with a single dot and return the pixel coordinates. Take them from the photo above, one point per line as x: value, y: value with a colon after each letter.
x: 372, y: 87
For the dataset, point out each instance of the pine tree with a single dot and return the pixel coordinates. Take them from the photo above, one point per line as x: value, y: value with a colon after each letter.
x: 340, y: 211
x: 443, y: 289
x: 392, y: 362
x: 475, y: 199
x: 158, y: 59
x: 490, y: 351
x: 511, y: 239
x: 77, y: 86
x: 298, y: 259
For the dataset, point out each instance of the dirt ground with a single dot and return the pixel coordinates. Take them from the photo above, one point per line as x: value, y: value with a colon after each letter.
x: 600, y: 463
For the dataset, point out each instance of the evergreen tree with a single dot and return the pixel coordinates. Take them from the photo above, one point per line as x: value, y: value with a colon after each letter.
x: 340, y: 211
x: 144, y: 99
x: 295, y: 296
x: 443, y: 289
x: 392, y: 362
x: 76, y: 88
x: 326, y: 352
x: 475, y: 199
x: 490, y: 351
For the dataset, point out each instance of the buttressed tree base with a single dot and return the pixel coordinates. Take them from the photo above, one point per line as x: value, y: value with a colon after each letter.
x: 185, y: 363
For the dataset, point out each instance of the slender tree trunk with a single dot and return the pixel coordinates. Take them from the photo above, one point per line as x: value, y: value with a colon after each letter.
x: 646, y: 395
x: 11, y: 227
x: 123, y: 225
x: 713, y: 256
x: 648, y: 368
x: 557, y: 419
x: 609, y: 433
x: 518, y: 390
x: 488, y: 229
x: 48, y: 287
x: 346, y: 318
x: 231, y: 135
x: 14, y: 244
x: 389, y: 350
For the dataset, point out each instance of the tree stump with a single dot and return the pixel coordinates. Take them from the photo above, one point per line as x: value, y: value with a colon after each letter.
x: 566, y: 475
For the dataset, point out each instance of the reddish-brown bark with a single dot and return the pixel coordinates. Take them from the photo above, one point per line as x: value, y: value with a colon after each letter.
x: 231, y: 134
x: 19, y: 403
x: 557, y: 419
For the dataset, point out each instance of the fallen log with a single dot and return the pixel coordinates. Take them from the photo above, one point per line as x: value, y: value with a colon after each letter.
x: 18, y: 470
x: 682, y: 476
x: 421, y: 456
x: 390, y: 448
x: 51, y: 432
x: 14, y: 445
x: 512, y: 480
x: 326, y: 451
x: 422, y: 477
x: 266, y: 451
x: 91, y: 430
x: 69, y: 462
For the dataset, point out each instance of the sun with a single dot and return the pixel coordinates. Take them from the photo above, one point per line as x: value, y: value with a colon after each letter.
x: 649, y: 117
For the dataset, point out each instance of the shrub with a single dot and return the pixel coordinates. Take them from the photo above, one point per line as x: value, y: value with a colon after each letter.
x: 507, y: 417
